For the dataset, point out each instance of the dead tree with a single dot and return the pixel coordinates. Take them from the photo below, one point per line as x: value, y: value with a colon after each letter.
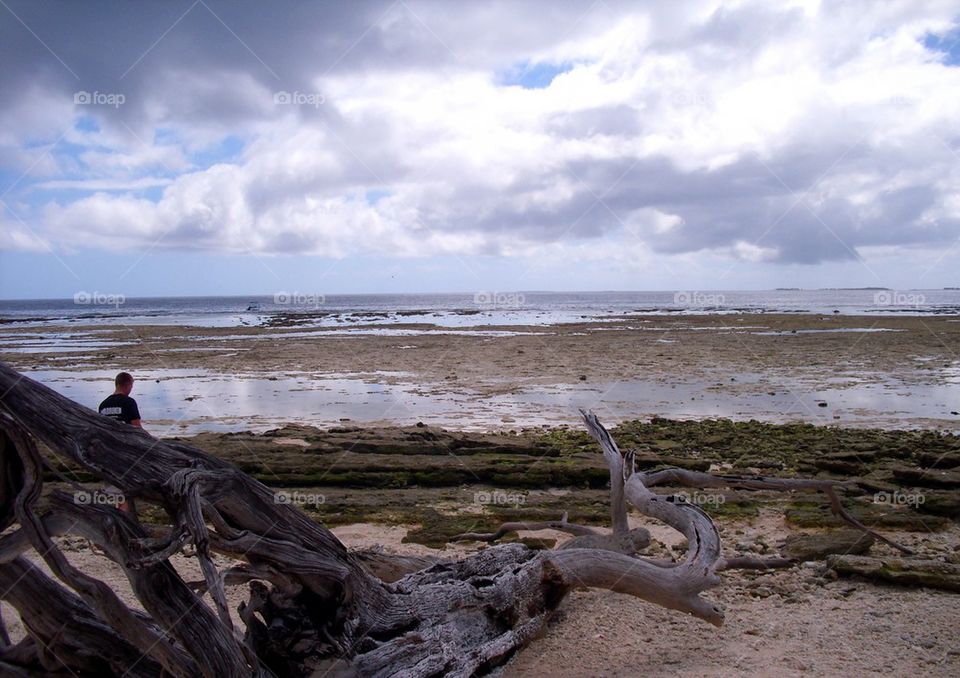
x: 313, y: 605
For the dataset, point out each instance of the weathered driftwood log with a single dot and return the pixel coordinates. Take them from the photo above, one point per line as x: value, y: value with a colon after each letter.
x: 621, y: 539
x: 628, y: 542
x: 313, y: 605
x: 562, y: 525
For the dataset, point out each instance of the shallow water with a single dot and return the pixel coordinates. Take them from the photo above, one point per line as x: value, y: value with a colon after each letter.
x: 317, y: 309
x: 885, y: 403
x: 63, y: 346
x: 832, y: 330
x: 176, y: 401
x: 57, y: 342
x: 365, y: 331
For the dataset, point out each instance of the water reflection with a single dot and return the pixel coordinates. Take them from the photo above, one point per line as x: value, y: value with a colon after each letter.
x: 177, y: 401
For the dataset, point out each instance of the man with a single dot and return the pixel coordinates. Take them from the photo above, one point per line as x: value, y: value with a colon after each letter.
x: 120, y: 405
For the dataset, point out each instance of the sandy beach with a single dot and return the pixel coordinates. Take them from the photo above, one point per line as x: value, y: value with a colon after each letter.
x: 521, y: 339
x: 400, y: 428
x: 888, y: 371
x: 788, y: 623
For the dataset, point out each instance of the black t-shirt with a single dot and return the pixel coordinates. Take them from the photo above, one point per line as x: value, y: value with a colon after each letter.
x: 120, y: 407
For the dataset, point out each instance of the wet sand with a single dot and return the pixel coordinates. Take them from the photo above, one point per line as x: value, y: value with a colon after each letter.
x: 886, y: 371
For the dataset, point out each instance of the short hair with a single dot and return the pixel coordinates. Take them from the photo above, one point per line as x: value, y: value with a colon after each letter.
x: 123, y: 379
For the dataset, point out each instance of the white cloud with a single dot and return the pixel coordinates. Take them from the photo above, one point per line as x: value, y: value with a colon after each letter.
x: 755, y: 132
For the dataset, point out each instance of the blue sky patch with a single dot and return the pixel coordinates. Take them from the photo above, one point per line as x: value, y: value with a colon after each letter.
x: 373, y: 197
x: 533, y: 75
x: 948, y: 44
x: 227, y: 150
x: 87, y: 123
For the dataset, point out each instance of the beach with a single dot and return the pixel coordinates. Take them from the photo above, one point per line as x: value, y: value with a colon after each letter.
x: 790, y: 623
x: 516, y: 339
x: 892, y: 371
x: 400, y: 436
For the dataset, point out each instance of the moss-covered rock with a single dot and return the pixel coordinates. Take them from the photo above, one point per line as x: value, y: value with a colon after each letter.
x: 933, y: 573
x: 819, y: 545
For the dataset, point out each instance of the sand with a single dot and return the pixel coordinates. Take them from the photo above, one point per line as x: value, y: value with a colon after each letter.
x: 792, y: 622
x: 884, y: 371
x: 786, y: 623
x: 809, y: 347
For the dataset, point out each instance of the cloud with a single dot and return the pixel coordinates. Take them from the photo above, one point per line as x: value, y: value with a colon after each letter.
x: 799, y: 133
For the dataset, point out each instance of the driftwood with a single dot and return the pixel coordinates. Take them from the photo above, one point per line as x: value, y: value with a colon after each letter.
x: 313, y: 605
x: 629, y: 541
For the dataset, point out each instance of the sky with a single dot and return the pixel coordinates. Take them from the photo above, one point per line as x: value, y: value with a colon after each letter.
x: 202, y: 147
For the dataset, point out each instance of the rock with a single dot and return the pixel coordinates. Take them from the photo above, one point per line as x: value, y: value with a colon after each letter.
x: 817, y: 546
x: 877, y: 481
x: 649, y: 460
x: 909, y: 571
x: 927, y: 477
x: 876, y: 515
x: 841, y: 465
x: 667, y: 444
x: 938, y: 459
x: 630, y: 543
x: 941, y: 503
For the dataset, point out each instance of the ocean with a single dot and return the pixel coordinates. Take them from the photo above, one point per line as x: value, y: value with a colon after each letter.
x: 489, y: 307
